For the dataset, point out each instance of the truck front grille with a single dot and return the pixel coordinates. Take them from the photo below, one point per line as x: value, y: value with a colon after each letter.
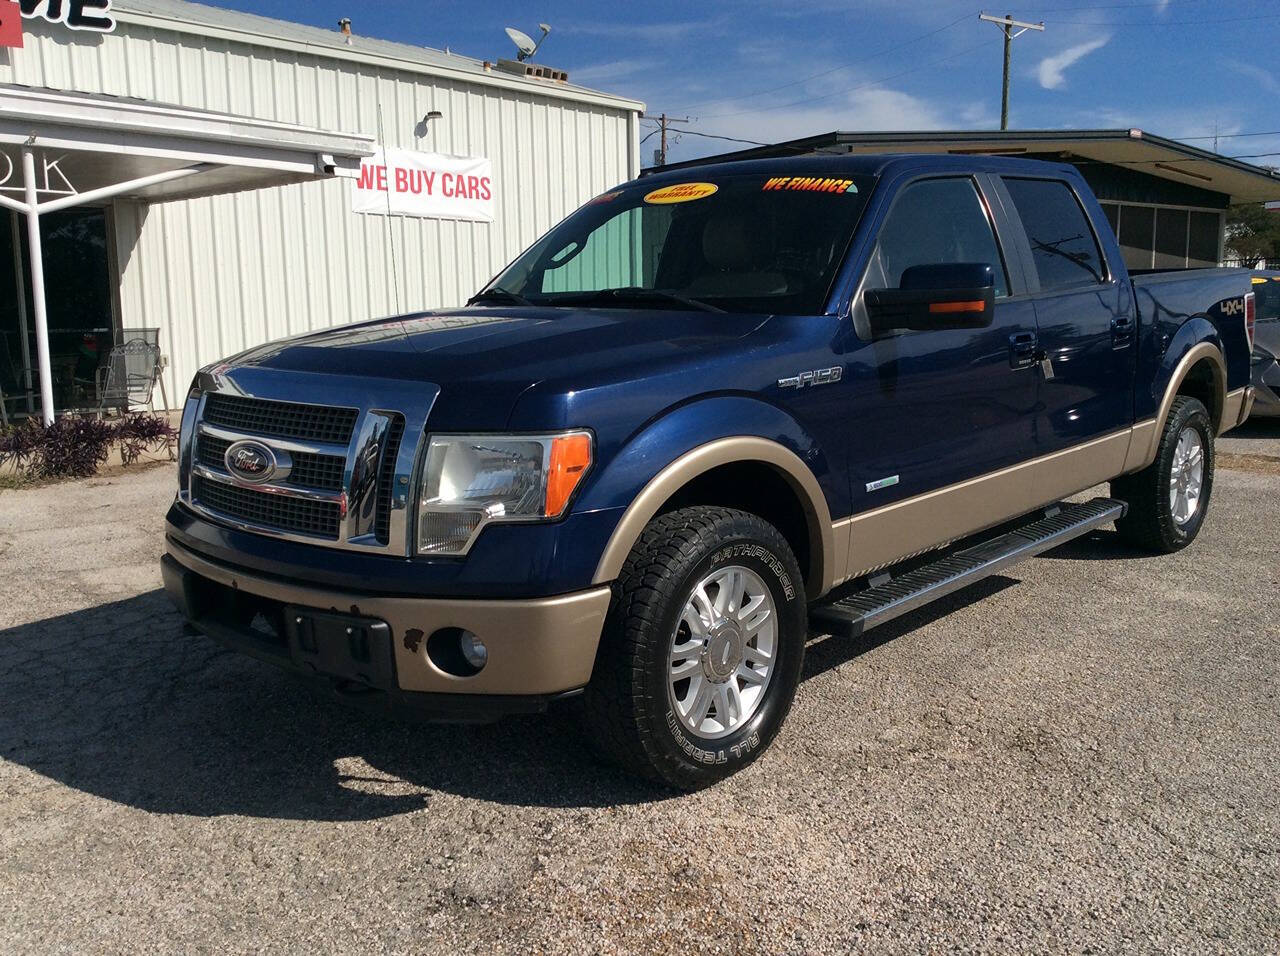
x: 323, y: 472
x: 298, y: 515
x: 318, y: 423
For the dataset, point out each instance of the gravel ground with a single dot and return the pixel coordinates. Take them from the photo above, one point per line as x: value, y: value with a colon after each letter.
x: 1080, y: 755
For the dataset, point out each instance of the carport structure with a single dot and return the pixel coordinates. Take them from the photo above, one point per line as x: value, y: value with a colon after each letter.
x: 62, y: 150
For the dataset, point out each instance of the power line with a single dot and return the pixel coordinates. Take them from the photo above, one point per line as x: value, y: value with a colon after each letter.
x: 1228, y: 135
x: 1158, y: 23
x: 836, y: 69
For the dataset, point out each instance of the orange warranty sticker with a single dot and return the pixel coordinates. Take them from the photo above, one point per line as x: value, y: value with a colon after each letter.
x: 684, y: 192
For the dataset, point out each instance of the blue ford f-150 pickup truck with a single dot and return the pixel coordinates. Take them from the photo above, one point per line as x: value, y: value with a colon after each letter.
x: 706, y: 413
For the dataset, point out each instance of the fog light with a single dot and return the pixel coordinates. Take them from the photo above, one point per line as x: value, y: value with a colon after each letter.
x: 473, y: 650
x: 457, y: 652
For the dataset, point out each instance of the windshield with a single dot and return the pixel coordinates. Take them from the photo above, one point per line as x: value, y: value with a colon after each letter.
x: 739, y: 243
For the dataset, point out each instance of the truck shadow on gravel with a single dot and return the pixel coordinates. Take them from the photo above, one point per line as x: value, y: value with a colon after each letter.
x: 114, y: 701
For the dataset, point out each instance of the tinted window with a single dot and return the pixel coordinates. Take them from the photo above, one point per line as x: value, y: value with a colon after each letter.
x: 1171, y: 238
x: 1137, y: 235
x: 1066, y: 254
x: 1205, y: 229
x: 935, y: 221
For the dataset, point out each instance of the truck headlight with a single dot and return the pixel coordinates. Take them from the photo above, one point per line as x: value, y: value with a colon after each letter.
x: 469, y: 481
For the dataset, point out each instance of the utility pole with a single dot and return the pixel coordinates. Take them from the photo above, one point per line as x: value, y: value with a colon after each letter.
x: 1006, y: 25
x: 663, y: 121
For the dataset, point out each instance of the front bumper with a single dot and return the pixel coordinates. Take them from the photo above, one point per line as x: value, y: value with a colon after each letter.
x: 538, y: 648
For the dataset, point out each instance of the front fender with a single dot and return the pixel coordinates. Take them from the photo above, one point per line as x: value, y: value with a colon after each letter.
x: 697, y: 437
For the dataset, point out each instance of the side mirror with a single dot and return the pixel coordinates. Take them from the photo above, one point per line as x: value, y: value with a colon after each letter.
x: 958, y: 295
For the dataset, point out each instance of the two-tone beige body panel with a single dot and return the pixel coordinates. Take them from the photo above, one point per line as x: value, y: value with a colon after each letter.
x: 537, y: 646
x: 857, y: 545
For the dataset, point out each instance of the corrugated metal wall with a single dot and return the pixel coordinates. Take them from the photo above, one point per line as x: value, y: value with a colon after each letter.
x: 221, y: 274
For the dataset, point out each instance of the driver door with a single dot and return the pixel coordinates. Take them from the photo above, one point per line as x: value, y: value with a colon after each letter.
x: 936, y: 408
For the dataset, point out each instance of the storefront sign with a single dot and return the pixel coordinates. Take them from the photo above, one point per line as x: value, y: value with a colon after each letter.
x: 10, y: 23
x: 399, y: 182
x: 92, y: 15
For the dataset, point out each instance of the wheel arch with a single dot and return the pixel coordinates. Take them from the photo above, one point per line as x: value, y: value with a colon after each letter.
x: 727, y: 465
x: 1200, y: 372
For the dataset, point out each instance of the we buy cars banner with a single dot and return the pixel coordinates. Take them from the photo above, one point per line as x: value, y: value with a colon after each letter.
x: 399, y: 182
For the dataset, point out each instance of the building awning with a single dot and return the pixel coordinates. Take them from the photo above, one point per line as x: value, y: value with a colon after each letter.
x: 100, y: 142
x: 60, y: 150
x: 1130, y: 148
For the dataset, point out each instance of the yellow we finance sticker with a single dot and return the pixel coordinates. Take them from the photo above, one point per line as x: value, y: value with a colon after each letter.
x: 683, y: 192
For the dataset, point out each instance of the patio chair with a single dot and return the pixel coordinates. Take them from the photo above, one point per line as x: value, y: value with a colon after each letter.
x: 129, y: 376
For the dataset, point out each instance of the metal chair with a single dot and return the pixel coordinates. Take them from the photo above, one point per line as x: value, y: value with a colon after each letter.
x: 129, y: 376
x: 9, y: 378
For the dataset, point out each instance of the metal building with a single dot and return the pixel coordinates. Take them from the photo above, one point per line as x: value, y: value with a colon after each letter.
x: 214, y: 260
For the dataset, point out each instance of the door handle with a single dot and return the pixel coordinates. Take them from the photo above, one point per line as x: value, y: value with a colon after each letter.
x: 1121, y: 331
x: 1022, y: 349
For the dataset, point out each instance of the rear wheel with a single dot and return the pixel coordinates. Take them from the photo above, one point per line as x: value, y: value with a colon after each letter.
x: 1168, y: 500
x: 702, y: 650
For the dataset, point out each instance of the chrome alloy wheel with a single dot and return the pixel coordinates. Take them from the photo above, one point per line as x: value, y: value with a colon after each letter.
x: 723, y: 652
x: 1186, y: 477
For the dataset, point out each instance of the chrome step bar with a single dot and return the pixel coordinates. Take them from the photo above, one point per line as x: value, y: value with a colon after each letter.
x: 856, y: 613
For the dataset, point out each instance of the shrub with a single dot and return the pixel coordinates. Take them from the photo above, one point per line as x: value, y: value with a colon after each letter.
x: 77, y: 447
x: 138, y: 433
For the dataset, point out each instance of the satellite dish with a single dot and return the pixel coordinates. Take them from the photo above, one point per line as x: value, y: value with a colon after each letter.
x: 525, y: 43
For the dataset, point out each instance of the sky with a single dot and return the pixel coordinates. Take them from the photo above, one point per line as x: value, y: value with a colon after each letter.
x: 765, y: 72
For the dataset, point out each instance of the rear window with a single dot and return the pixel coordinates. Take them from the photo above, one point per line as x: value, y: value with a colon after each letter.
x: 1062, y: 242
x: 740, y: 243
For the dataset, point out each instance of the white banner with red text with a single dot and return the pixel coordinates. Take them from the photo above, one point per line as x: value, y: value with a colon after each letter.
x: 400, y: 182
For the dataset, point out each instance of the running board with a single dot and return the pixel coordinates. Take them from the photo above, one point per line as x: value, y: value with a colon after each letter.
x: 859, y: 612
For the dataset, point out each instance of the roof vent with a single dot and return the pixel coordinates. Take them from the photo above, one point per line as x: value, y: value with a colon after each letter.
x: 345, y: 26
x: 534, y: 70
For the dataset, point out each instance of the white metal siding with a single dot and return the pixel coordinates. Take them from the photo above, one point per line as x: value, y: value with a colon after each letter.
x: 225, y: 273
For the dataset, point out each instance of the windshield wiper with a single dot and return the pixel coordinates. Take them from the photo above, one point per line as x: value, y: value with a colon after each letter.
x: 499, y: 295
x: 638, y: 294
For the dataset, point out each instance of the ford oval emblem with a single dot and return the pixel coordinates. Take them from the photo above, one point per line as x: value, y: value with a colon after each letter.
x: 251, y: 461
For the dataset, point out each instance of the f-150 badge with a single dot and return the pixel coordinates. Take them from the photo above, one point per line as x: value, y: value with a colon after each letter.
x: 819, y: 376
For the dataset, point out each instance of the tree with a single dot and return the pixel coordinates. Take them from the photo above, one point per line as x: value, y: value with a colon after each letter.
x: 1253, y: 232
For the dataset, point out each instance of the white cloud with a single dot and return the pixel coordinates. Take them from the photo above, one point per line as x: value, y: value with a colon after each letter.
x: 612, y: 71
x: 1053, y: 68
x: 1267, y: 81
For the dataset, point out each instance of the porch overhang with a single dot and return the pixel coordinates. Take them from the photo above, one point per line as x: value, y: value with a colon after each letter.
x: 59, y: 150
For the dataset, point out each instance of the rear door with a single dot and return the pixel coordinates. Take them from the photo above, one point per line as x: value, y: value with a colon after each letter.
x: 1086, y: 335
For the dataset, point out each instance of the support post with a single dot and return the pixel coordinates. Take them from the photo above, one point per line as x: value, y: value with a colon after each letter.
x: 36, y: 249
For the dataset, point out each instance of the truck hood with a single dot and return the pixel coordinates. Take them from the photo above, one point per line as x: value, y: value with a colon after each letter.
x: 509, y: 345
x: 484, y: 358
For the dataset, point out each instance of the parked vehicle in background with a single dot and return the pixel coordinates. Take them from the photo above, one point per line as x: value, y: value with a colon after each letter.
x: 701, y: 415
x: 1266, y: 346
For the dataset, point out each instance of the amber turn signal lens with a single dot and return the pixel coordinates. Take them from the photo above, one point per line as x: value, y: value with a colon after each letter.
x: 570, y: 459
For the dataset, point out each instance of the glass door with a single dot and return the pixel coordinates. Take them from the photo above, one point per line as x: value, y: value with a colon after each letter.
x: 78, y: 295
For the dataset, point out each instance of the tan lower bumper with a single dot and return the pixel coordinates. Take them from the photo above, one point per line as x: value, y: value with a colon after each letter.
x: 537, y: 646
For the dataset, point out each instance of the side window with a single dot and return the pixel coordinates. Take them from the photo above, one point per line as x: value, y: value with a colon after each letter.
x: 1062, y: 242
x: 932, y: 222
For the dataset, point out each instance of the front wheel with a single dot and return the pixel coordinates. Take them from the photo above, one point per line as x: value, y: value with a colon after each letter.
x: 702, y: 650
x: 1168, y: 500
